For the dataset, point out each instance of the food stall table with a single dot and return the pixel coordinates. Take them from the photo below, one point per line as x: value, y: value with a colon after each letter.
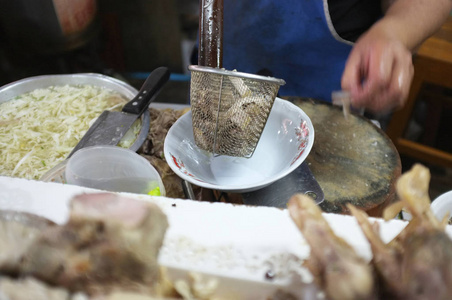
x: 352, y: 160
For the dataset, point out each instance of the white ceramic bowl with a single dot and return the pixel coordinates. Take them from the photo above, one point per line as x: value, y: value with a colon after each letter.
x: 442, y: 205
x: 285, y: 143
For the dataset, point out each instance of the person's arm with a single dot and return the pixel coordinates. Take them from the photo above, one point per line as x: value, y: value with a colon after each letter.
x: 379, y: 70
x: 413, y: 21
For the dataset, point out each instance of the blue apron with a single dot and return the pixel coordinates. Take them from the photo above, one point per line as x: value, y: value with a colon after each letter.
x: 294, y: 39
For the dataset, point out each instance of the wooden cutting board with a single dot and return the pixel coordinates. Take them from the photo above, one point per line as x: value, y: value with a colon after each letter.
x: 352, y: 159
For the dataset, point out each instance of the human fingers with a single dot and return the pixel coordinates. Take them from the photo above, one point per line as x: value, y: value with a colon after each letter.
x: 351, y: 77
x: 402, y: 77
x: 392, y: 93
x: 367, y: 71
x: 378, y: 74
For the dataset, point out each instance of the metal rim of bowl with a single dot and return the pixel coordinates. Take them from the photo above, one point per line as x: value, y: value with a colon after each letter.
x: 217, y: 71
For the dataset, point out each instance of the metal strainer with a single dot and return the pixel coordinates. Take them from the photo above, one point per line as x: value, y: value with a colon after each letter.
x: 230, y: 109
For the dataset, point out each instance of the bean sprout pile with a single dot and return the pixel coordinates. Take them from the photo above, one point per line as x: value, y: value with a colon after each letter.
x: 40, y: 128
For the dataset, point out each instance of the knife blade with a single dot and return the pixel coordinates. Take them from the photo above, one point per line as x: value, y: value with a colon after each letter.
x: 110, y: 126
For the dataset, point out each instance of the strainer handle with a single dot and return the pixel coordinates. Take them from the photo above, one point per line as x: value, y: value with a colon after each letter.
x: 210, y: 50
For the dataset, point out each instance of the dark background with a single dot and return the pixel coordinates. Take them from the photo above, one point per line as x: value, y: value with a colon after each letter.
x: 127, y: 39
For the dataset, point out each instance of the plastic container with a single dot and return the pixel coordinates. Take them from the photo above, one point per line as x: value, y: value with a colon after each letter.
x: 113, y: 169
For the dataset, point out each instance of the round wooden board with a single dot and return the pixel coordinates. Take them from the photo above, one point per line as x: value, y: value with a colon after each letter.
x: 352, y: 159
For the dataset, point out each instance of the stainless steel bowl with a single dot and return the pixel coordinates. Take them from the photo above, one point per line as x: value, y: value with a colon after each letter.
x: 11, y: 90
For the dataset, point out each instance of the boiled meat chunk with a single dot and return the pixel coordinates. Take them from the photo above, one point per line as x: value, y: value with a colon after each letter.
x: 110, y: 242
x: 417, y: 264
x: 30, y: 289
x: 18, y: 230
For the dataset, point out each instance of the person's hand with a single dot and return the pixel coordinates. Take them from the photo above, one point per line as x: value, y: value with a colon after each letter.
x: 378, y: 72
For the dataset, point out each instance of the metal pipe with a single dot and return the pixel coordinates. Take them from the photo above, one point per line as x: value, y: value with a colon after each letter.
x: 210, y: 50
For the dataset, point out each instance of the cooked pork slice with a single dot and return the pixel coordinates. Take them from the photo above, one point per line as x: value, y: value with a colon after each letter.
x: 427, y: 265
x: 110, y: 242
x: 338, y: 270
x: 18, y: 230
x: 29, y: 289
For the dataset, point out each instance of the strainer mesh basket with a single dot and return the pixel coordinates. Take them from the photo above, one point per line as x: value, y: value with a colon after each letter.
x: 230, y: 109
